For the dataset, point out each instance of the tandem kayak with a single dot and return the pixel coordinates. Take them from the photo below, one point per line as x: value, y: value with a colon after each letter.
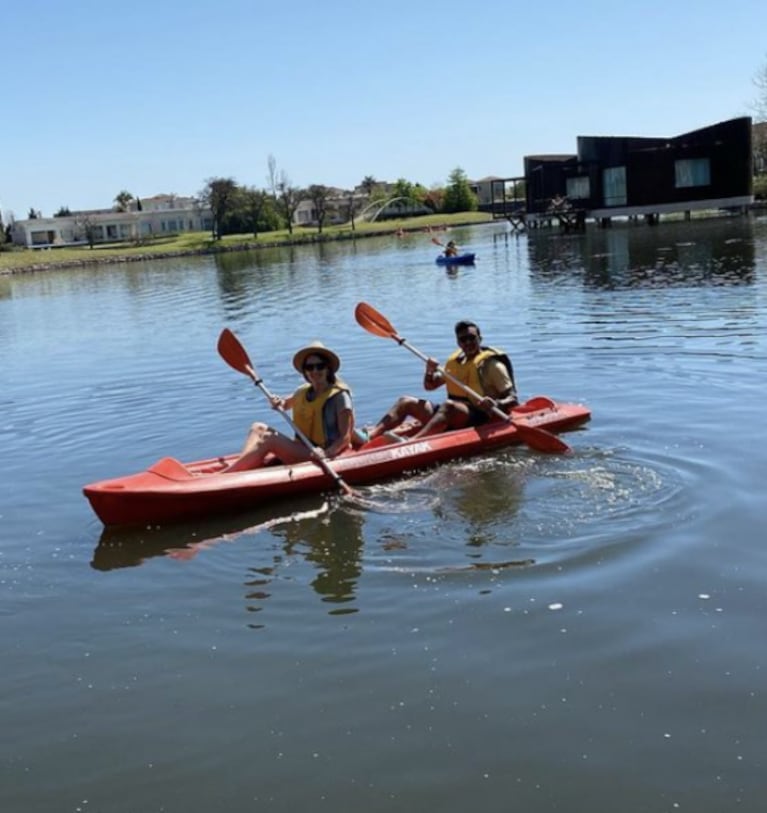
x: 459, y: 259
x: 171, y: 491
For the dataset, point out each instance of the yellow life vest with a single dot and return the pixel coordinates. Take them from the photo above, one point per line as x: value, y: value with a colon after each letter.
x: 470, y: 372
x: 308, y: 415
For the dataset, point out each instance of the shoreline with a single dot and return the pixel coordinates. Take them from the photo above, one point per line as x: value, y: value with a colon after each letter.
x: 757, y: 207
x: 84, y: 262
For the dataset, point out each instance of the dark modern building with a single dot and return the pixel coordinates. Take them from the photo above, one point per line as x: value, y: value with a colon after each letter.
x: 617, y: 176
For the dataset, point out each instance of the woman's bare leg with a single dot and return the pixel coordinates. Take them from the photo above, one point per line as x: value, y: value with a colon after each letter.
x: 262, y: 440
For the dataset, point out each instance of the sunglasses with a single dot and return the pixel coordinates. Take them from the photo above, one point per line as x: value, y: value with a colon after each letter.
x: 468, y: 337
x: 320, y: 365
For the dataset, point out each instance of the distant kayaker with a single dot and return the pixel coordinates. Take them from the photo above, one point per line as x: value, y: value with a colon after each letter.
x: 484, y: 369
x: 451, y: 249
x: 322, y: 410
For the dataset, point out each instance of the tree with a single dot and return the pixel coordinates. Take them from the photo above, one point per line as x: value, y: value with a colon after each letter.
x: 458, y: 195
x: 434, y: 198
x: 760, y: 129
x: 123, y: 200
x: 319, y: 194
x: 289, y: 198
x: 402, y: 189
x: 33, y: 213
x: 87, y: 228
x: 62, y: 212
x: 369, y: 183
x: 760, y: 103
x: 271, y: 178
x: 255, y: 203
x: 5, y: 232
x: 351, y: 208
x: 220, y: 196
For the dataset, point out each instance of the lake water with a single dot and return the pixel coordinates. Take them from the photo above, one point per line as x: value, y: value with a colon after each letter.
x: 519, y: 632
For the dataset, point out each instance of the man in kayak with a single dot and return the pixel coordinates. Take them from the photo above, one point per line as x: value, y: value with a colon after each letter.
x: 485, y: 370
x: 322, y: 410
x: 451, y: 249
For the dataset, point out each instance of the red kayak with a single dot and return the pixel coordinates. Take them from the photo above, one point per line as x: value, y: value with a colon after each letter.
x: 171, y: 491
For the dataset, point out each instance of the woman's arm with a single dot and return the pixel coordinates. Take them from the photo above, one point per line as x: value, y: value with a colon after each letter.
x: 345, y: 427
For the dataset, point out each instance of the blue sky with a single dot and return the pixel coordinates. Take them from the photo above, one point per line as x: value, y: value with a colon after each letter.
x: 157, y: 96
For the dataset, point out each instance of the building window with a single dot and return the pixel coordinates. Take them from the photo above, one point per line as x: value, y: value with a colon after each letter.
x: 40, y: 238
x: 692, y: 172
x: 578, y: 187
x: 614, y: 182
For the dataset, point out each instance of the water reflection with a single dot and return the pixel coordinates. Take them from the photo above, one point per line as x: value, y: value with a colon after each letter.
x: 329, y: 536
x: 455, y: 270
x: 485, y: 495
x: 690, y: 254
x: 334, y: 546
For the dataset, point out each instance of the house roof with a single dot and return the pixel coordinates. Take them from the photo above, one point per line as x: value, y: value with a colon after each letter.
x: 552, y: 157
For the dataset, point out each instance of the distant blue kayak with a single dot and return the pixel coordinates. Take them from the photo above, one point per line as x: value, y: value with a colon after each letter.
x: 459, y: 259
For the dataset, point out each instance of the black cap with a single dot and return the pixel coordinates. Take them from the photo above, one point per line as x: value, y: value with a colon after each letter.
x: 463, y: 324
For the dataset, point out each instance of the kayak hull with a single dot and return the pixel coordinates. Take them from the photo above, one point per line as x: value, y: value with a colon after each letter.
x: 459, y: 259
x: 170, y: 491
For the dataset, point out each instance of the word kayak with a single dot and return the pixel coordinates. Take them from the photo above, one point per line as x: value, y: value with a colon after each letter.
x: 458, y: 259
x: 170, y: 491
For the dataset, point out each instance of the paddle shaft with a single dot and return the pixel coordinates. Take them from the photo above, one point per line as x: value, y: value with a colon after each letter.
x: 304, y: 439
x: 499, y: 413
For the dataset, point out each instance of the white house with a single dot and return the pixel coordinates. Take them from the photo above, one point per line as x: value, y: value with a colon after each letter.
x: 158, y: 215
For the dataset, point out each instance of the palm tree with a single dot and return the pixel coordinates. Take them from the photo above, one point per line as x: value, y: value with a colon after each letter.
x: 369, y: 183
x: 123, y: 199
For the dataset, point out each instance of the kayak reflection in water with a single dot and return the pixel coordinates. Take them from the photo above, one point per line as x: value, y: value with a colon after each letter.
x: 484, y: 369
x: 322, y: 409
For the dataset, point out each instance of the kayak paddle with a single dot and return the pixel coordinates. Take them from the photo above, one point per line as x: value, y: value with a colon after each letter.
x: 234, y: 354
x: 377, y: 324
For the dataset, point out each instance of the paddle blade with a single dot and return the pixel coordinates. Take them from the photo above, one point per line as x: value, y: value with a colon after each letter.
x: 541, y: 440
x: 436, y: 242
x: 373, y: 321
x: 233, y: 353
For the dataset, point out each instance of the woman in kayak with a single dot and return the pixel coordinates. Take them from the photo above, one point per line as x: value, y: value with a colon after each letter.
x: 322, y: 410
x: 451, y: 249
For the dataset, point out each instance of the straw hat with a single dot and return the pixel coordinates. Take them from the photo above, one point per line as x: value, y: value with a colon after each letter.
x: 318, y: 348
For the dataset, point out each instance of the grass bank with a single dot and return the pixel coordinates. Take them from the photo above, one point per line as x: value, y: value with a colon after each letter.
x: 17, y: 260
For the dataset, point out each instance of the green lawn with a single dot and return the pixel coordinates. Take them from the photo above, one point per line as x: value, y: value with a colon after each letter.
x: 19, y: 259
